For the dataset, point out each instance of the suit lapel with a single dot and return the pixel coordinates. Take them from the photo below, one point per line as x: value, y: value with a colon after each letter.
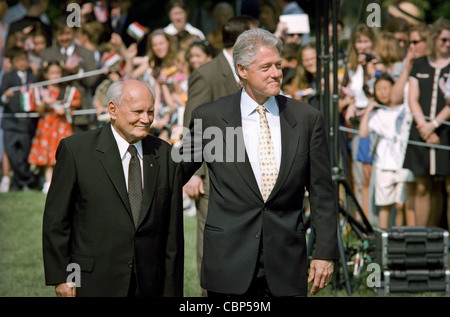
x: 111, y: 161
x: 289, y: 141
x: 151, y: 169
x: 232, y: 119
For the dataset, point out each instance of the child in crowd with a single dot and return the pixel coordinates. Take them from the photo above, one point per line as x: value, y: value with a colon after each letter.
x: 389, y: 122
x: 18, y: 128
x: 56, y: 102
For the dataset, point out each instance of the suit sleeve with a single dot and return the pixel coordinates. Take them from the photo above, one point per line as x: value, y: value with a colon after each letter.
x: 199, y: 92
x: 321, y: 194
x: 58, y: 216
x: 191, y: 151
x: 173, y: 284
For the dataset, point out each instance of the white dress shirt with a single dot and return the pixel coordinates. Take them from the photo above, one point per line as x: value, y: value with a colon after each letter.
x: 172, y: 30
x: 125, y: 156
x: 250, y: 125
x: 230, y: 61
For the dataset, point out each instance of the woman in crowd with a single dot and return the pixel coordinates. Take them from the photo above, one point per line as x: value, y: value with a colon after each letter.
x: 427, y: 104
x: 418, y: 36
x: 361, y: 70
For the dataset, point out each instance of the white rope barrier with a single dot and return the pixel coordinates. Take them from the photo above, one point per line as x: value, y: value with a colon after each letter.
x: 436, y: 146
x: 77, y: 76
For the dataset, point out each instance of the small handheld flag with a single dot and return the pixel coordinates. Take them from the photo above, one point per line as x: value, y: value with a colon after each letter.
x: 136, y: 31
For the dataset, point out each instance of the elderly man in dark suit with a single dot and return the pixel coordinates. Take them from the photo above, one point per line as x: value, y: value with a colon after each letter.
x: 254, y: 239
x: 114, y: 207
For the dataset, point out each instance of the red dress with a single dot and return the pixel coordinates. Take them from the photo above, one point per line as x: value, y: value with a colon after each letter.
x: 51, y: 128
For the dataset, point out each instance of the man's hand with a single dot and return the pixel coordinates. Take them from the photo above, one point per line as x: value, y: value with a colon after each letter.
x: 66, y: 290
x: 194, y: 187
x: 320, y: 272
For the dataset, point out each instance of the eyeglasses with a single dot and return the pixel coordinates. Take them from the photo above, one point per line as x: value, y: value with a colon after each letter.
x: 415, y: 42
x: 444, y: 40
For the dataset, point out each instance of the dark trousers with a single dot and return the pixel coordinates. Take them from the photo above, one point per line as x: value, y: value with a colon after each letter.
x: 258, y: 288
x: 17, y: 148
x: 133, y: 289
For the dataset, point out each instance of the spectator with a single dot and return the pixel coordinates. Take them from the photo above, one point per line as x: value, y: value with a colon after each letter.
x: 75, y: 58
x: 387, y: 121
x: 417, y: 48
x: 162, y: 67
x: 221, y: 13
x: 399, y: 27
x: 427, y: 103
x: 88, y: 36
x: 56, y: 104
x: 303, y: 85
x: 178, y: 15
x: 32, y: 19
x: 388, y: 56
x: 20, y: 10
x: 39, y: 42
x: 18, y: 132
x: 269, y: 16
x: 360, y: 70
x: 291, y: 55
x: 292, y: 7
x: 5, y: 181
x: 199, y: 53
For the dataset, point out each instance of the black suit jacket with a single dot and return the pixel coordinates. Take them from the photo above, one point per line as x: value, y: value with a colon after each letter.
x: 87, y: 219
x: 9, y: 122
x: 238, y: 219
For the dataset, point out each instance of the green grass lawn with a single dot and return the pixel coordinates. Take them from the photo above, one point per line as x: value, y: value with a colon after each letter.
x: 21, y: 267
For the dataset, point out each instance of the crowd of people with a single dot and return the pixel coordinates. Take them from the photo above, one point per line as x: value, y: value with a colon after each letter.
x: 393, y: 81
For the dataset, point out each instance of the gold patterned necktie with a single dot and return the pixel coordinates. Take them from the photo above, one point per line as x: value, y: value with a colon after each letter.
x: 267, y: 159
x: 134, y: 184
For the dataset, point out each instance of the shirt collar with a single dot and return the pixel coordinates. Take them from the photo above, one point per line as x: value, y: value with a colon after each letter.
x: 230, y: 61
x: 68, y: 50
x: 249, y: 105
x: 123, y: 144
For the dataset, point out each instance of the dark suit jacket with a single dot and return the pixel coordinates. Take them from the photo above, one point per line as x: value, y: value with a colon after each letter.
x: 27, y: 125
x: 209, y: 82
x: 238, y: 218
x: 87, y: 219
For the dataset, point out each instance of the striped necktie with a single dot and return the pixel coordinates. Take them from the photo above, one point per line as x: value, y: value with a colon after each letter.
x: 134, y: 184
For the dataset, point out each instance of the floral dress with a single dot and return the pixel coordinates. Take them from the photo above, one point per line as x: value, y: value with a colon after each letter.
x: 53, y: 127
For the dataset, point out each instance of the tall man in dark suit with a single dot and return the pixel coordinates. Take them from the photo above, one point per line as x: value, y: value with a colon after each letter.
x: 208, y: 83
x: 74, y: 58
x: 89, y: 219
x: 254, y: 240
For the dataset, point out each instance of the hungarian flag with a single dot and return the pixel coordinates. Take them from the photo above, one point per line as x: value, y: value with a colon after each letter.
x: 111, y: 60
x: 136, y: 31
x: 27, y: 101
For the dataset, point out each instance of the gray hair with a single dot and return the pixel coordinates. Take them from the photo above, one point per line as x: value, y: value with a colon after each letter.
x: 115, y: 92
x: 249, y: 42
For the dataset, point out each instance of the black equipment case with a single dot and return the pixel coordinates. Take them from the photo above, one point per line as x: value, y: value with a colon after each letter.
x: 413, y: 259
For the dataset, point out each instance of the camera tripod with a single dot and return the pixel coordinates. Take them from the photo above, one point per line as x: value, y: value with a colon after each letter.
x: 329, y: 107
